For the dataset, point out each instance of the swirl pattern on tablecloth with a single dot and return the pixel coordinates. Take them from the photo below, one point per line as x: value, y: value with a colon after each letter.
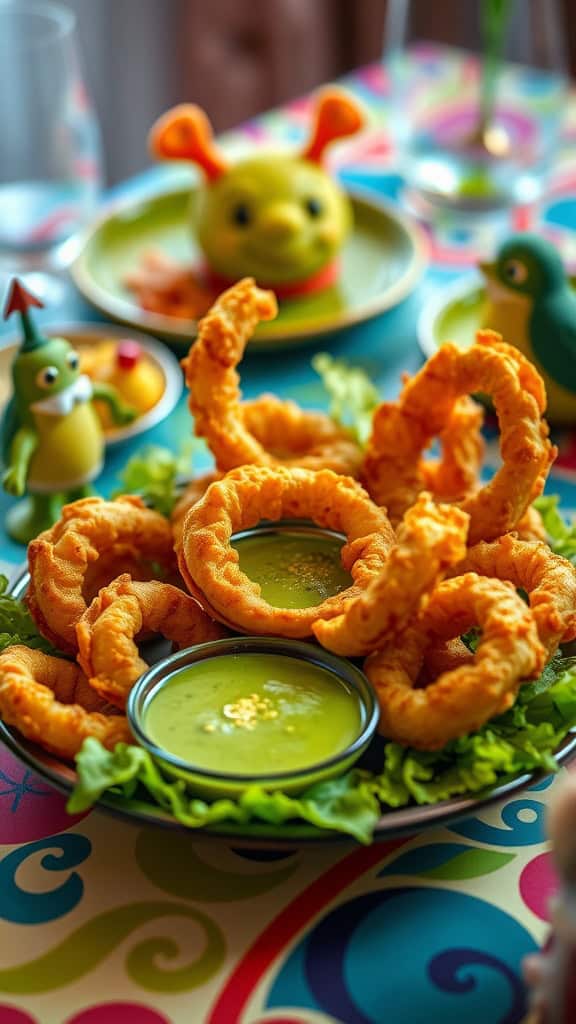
x: 458, y: 952
x: 524, y: 822
x: 87, y: 946
x: 22, y: 907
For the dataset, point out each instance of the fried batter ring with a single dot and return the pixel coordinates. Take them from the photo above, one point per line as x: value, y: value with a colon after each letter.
x: 190, y: 495
x: 240, y: 500
x: 107, y: 652
x: 461, y: 700
x: 393, y: 469
x: 50, y: 702
x: 265, y: 432
x: 62, y: 558
x: 429, y: 540
x: 548, y: 579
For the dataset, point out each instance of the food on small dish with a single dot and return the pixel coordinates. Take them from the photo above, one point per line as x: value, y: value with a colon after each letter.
x: 124, y: 365
x: 161, y: 285
x: 209, y: 564
x: 265, y: 432
x: 460, y: 700
x: 402, y: 430
x: 50, y: 702
x: 61, y: 558
x: 548, y: 580
x: 281, y: 714
x: 430, y: 539
x: 295, y: 566
x: 106, y: 632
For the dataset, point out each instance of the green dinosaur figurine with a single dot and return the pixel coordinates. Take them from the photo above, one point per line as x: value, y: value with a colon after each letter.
x: 532, y: 303
x: 53, y: 444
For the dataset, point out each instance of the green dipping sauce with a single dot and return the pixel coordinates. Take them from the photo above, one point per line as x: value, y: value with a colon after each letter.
x: 254, y: 714
x: 294, y: 569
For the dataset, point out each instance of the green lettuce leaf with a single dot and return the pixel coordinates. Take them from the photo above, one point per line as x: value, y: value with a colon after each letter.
x: 353, y: 396
x: 345, y: 804
x: 155, y: 474
x: 561, y: 535
x: 17, y: 625
x: 522, y: 740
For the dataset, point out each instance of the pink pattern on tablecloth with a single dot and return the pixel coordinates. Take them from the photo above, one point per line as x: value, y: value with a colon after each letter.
x: 538, y: 884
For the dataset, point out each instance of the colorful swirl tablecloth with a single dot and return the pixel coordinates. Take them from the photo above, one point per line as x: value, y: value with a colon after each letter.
x: 105, y: 922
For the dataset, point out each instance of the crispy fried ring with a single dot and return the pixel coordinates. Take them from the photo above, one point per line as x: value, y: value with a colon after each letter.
x: 548, y: 579
x: 429, y: 540
x: 192, y: 493
x: 266, y: 432
x: 457, y: 473
x: 61, y: 558
x: 50, y: 702
x: 240, y: 500
x: 107, y: 652
x: 403, y: 429
x: 461, y: 700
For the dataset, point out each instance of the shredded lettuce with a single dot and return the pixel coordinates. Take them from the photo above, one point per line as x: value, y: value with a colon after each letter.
x: 16, y: 624
x: 522, y: 740
x: 353, y: 396
x: 155, y: 474
x: 561, y: 535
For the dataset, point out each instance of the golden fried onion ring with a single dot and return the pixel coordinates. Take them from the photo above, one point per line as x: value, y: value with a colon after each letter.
x: 429, y: 540
x: 240, y: 500
x: 107, y: 652
x: 266, y: 432
x: 192, y: 493
x: 393, y: 471
x: 61, y: 558
x: 461, y: 700
x: 548, y: 579
x: 50, y: 702
x: 457, y: 473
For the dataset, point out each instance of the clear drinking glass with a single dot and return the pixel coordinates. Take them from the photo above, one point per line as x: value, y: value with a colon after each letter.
x: 50, y: 166
x: 478, y: 92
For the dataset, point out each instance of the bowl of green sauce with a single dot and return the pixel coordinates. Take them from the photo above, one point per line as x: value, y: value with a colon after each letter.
x: 296, y: 563
x: 281, y: 714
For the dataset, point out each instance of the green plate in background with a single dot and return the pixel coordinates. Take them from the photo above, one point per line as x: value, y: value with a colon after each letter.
x: 382, y: 261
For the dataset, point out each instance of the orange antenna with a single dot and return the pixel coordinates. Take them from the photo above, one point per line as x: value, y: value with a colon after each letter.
x: 335, y: 117
x: 185, y: 133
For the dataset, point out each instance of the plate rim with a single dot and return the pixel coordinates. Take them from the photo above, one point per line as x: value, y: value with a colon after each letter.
x: 160, y: 353
x: 160, y: 324
x: 392, y: 824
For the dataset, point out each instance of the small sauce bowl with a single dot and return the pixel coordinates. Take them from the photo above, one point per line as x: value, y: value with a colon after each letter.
x: 257, y: 720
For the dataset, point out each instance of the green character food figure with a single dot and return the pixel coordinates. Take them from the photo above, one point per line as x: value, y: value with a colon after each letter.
x: 53, y: 444
x: 278, y: 217
x: 532, y: 303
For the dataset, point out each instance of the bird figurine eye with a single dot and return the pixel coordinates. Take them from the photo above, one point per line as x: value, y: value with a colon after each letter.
x: 515, y: 271
x: 48, y: 376
x: 73, y: 360
x: 313, y: 206
x: 241, y: 215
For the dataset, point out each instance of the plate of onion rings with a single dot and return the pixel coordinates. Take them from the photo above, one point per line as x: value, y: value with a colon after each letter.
x: 458, y: 593
x: 392, y: 824
x: 382, y: 262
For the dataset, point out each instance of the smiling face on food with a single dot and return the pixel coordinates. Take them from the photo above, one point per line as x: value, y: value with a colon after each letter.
x: 279, y: 219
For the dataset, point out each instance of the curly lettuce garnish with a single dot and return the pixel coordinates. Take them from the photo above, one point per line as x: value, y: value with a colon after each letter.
x: 353, y: 396
x: 156, y: 473
x: 16, y: 624
x: 561, y: 535
x: 522, y: 740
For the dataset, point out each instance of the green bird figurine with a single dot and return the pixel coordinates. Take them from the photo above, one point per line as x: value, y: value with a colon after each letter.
x: 531, y: 302
x: 53, y: 444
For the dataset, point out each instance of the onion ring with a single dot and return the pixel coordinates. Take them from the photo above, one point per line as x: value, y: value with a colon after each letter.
x: 531, y: 525
x: 240, y: 500
x: 457, y: 473
x: 462, y: 700
x: 192, y: 493
x: 548, y: 579
x: 266, y: 432
x: 430, y: 539
x: 402, y: 430
x: 107, y: 652
x: 61, y: 558
x: 50, y: 702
